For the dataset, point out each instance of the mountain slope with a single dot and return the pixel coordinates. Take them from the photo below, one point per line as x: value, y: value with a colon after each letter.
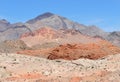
x: 4, y: 25
x: 94, y: 31
x: 114, y: 37
x: 13, y: 32
x: 48, y: 35
x: 58, y: 22
x: 54, y: 21
x: 66, y: 44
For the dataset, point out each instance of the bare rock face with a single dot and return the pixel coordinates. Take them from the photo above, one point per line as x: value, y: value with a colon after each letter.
x: 77, y: 51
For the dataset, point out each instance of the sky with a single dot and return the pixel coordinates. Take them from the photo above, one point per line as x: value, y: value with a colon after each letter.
x: 103, y: 13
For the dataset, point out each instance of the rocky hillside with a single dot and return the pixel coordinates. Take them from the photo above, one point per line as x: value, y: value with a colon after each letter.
x: 10, y: 46
x: 78, y: 51
x: 75, y: 51
x: 48, y: 35
x: 13, y: 32
x: 66, y: 44
x: 114, y: 37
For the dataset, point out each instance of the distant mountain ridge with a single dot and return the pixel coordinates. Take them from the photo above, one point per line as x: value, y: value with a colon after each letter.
x: 14, y: 31
x: 4, y: 25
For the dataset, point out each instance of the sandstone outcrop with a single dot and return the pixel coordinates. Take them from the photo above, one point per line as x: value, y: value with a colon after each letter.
x: 77, y: 51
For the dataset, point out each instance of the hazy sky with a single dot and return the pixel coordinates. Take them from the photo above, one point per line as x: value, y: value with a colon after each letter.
x: 103, y: 13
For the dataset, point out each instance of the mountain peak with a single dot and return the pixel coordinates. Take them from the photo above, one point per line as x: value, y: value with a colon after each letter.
x: 4, y: 21
x: 48, y: 13
x: 44, y: 15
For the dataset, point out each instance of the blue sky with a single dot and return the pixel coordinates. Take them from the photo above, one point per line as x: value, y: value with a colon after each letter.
x: 102, y: 13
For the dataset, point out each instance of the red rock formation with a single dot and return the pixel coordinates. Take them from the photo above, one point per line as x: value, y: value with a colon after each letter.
x: 90, y: 51
x: 75, y: 51
x: 76, y: 45
x: 44, y: 32
x: 47, y: 35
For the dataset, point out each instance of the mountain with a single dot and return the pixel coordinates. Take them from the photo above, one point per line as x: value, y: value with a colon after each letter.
x: 14, y: 31
x: 94, y: 31
x: 40, y: 17
x: 66, y: 44
x: 4, y: 25
x: 58, y: 22
x: 114, y: 37
x: 54, y: 21
x: 61, y: 36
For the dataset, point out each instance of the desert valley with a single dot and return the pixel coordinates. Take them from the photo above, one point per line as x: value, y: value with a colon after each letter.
x: 52, y: 48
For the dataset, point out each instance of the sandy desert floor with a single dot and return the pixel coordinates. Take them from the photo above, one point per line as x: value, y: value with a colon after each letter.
x: 22, y: 68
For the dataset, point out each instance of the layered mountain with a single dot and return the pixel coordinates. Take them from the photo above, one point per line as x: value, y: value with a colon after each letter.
x: 14, y: 31
x: 54, y: 21
x: 66, y: 44
x: 50, y: 35
x: 58, y: 22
